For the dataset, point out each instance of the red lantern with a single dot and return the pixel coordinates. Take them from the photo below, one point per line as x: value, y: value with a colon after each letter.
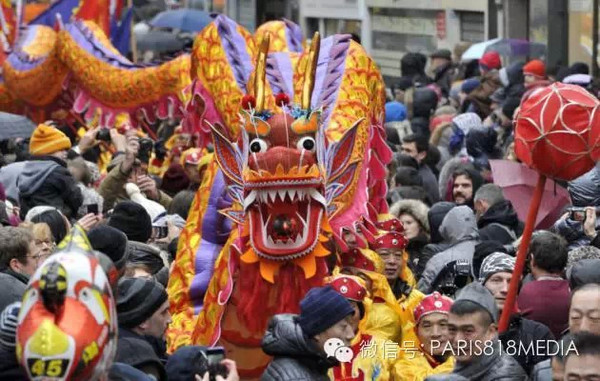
x: 553, y: 131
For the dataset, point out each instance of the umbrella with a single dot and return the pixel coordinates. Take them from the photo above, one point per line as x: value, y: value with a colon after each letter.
x: 505, y: 47
x: 188, y: 20
x: 518, y: 182
x: 15, y: 126
x: 159, y: 41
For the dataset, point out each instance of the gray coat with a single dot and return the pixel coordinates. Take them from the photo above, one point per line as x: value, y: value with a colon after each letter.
x: 296, y: 358
x: 13, y: 287
x: 542, y: 371
x: 494, y: 367
x: 459, y: 228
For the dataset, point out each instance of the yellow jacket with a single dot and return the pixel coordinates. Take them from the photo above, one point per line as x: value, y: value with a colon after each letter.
x: 373, y: 360
x: 414, y: 366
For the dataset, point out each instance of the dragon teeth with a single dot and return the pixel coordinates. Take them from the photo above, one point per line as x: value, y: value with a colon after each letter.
x: 284, y: 195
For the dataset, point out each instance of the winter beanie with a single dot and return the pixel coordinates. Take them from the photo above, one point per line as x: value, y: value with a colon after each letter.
x: 469, y: 85
x: 495, y: 263
x: 476, y: 293
x: 490, y: 60
x: 133, y: 220
x: 137, y: 300
x: 47, y: 140
x: 536, y: 68
x: 322, y: 308
x: 111, y: 242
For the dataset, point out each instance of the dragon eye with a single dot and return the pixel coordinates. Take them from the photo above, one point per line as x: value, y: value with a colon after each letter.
x: 258, y: 145
x: 306, y: 143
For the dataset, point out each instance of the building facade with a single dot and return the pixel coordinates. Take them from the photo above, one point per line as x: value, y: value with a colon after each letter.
x: 390, y: 28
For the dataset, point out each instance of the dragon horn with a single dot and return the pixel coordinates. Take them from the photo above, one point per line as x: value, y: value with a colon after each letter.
x: 261, y: 71
x: 311, y: 70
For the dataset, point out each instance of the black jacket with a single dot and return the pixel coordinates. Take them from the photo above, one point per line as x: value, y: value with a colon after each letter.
x: 494, y: 367
x: 417, y: 256
x: 137, y: 351
x: 9, y: 366
x: 443, y: 78
x: 500, y: 223
x: 527, y: 332
x: 296, y: 358
x: 45, y: 180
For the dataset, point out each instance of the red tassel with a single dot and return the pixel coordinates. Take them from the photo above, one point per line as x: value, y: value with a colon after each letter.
x: 282, y: 99
x: 248, y: 102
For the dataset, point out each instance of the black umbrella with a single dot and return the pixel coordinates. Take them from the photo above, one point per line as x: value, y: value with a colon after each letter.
x: 159, y: 41
x: 15, y: 126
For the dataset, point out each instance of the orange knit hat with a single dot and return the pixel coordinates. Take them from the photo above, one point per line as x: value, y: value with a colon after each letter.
x: 535, y: 67
x: 47, y: 140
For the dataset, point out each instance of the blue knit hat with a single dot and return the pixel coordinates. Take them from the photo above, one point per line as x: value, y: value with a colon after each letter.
x: 394, y: 112
x: 469, y: 85
x: 322, y: 308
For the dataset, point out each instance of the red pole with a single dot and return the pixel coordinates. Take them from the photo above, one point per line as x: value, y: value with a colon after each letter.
x: 509, y: 305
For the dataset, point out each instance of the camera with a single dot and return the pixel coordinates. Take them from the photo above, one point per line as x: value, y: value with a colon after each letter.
x: 146, y: 146
x: 454, y: 276
x: 104, y: 135
x: 160, y: 231
x: 578, y: 213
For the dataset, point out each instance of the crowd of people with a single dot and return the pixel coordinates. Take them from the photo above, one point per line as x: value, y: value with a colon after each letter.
x: 414, y: 297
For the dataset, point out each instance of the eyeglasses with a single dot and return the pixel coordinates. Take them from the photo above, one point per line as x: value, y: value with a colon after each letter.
x: 39, y: 257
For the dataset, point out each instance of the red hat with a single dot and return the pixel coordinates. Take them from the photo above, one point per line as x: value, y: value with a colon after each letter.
x: 435, y: 302
x: 535, y: 67
x: 349, y: 287
x: 363, y: 259
x: 192, y: 156
x: 390, y: 240
x: 491, y: 60
x: 176, y: 151
x: 389, y: 223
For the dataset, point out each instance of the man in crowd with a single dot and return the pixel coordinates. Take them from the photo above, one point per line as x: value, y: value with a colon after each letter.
x: 495, y: 274
x: 442, y: 69
x: 143, y: 315
x: 459, y: 230
x: 18, y: 261
x: 583, y: 362
x: 465, y: 183
x: 430, y: 355
x: 497, y: 220
x: 546, y: 299
x: 472, y: 325
x: 45, y: 179
x: 584, y: 313
x: 297, y: 343
x: 417, y: 146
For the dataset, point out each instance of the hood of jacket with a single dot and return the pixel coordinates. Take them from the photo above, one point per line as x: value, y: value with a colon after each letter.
x: 502, y: 213
x: 459, y: 225
x: 512, y: 74
x: 34, y: 174
x: 436, y: 216
x: 417, y: 209
x: 148, y: 255
x: 413, y: 64
x: 285, y: 338
x: 481, y: 141
x: 424, y: 102
x: 585, y: 190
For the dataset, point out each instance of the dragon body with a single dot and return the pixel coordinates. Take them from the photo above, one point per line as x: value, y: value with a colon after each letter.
x: 300, y: 153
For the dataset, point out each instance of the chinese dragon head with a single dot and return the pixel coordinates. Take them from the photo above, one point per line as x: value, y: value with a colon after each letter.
x: 303, y: 154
